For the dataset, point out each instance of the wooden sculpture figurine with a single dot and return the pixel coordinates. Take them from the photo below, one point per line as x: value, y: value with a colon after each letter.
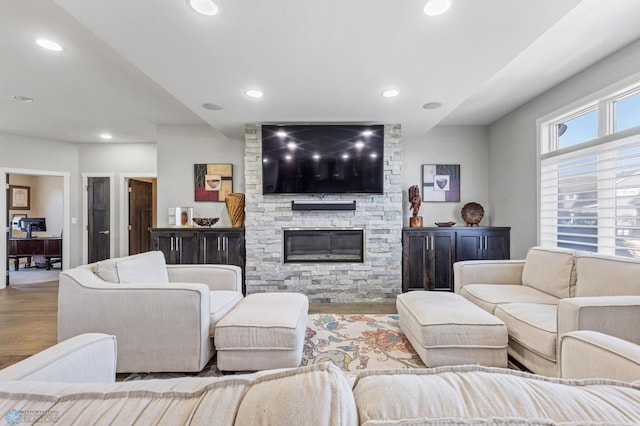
x: 415, y: 200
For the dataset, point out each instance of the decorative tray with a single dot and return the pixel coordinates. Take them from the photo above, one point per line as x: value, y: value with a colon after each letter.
x: 445, y: 224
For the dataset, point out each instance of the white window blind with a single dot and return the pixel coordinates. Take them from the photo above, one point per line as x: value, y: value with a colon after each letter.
x: 590, y: 197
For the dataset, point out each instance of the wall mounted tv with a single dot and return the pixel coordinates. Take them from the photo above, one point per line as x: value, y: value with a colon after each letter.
x: 323, y: 159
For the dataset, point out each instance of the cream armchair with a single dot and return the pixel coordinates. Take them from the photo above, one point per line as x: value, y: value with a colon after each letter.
x: 162, y: 315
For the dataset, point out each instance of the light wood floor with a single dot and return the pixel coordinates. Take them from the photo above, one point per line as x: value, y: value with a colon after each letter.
x: 28, y: 318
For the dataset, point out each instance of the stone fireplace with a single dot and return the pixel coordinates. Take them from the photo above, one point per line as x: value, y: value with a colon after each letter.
x: 330, y: 276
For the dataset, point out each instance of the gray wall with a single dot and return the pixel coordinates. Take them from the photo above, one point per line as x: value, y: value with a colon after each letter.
x: 513, y: 145
x: 463, y: 145
x: 179, y: 148
x: 121, y: 160
x: 19, y: 154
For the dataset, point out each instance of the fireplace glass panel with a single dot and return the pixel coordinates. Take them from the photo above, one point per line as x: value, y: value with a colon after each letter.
x: 323, y: 245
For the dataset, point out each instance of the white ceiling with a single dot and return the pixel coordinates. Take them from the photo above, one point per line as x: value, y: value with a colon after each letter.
x: 128, y: 66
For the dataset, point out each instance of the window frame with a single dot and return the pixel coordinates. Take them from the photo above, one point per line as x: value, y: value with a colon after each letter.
x: 603, y: 102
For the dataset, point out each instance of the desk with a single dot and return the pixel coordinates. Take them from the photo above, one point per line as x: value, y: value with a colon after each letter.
x: 22, y: 247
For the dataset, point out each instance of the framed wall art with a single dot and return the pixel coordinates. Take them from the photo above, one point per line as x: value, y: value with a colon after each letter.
x: 212, y: 182
x: 441, y: 182
x: 19, y: 197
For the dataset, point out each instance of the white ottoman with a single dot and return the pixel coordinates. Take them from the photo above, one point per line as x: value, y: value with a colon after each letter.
x: 263, y: 331
x: 447, y: 329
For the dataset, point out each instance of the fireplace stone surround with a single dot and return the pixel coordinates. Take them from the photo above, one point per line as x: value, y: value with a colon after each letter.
x: 377, y: 279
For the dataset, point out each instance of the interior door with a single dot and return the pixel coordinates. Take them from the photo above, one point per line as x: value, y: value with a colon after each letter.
x: 98, y: 217
x: 140, y: 216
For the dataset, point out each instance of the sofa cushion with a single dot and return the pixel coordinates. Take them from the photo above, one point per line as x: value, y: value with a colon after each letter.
x: 550, y: 270
x: 221, y: 302
x: 476, y: 395
x: 319, y: 394
x: 488, y: 296
x: 316, y: 395
x: 600, y: 275
x: 533, y: 325
x: 148, y: 267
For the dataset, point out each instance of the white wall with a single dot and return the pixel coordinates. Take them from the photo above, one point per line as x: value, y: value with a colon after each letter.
x: 513, y: 146
x: 179, y: 148
x: 463, y: 145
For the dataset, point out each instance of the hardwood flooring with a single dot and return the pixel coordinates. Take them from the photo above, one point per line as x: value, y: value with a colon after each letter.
x: 28, y: 318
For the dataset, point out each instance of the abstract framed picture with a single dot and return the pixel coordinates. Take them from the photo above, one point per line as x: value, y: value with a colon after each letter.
x: 441, y: 182
x: 212, y: 182
x: 19, y: 197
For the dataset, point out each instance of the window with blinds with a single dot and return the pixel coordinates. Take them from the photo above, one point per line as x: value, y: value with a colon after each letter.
x: 590, y: 186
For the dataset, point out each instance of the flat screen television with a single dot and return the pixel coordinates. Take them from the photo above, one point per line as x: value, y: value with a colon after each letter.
x: 323, y: 159
x: 33, y: 224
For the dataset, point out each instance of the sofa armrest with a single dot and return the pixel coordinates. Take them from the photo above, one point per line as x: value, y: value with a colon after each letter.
x: 590, y: 354
x: 487, y: 272
x: 161, y: 325
x: 613, y: 315
x: 82, y: 359
x: 217, y: 277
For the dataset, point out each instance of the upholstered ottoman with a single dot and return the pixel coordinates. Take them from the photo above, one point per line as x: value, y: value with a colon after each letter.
x: 446, y: 329
x: 263, y: 331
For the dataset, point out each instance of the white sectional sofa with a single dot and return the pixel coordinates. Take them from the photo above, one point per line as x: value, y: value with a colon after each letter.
x: 163, y: 316
x: 315, y: 395
x: 553, y: 292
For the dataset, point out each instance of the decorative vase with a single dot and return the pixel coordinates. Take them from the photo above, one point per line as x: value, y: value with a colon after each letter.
x: 415, y: 221
x: 235, y: 208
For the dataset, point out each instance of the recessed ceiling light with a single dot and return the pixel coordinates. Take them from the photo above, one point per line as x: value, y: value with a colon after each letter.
x: 253, y: 93
x: 359, y: 145
x: 49, y: 44
x: 23, y: 99
x: 211, y: 106
x: 204, y: 7
x: 281, y: 133
x: 436, y: 7
x: 432, y: 105
x: 291, y: 145
x: 367, y: 133
x: 106, y: 136
x: 390, y: 93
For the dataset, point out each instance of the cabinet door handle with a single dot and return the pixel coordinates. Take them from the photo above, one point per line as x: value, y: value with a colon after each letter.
x: 204, y: 249
x: 171, y: 244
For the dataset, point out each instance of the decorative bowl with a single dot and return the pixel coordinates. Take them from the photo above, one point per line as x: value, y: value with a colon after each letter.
x: 205, y: 221
x: 445, y: 224
x: 472, y: 214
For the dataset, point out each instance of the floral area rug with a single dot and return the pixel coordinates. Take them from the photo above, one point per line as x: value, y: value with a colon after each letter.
x: 358, y: 342
x: 353, y: 342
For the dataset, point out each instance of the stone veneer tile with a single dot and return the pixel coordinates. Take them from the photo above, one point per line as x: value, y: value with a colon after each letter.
x: 378, y: 279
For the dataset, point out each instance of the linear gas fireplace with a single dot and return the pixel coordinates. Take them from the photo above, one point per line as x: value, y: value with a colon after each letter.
x: 323, y: 245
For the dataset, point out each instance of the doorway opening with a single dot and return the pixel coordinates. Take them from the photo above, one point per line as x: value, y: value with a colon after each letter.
x: 35, y: 215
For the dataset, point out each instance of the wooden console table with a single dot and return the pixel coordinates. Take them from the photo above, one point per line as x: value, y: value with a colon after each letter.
x: 50, y: 248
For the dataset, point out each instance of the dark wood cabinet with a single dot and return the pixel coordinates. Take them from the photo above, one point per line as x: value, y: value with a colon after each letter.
x: 428, y: 254
x: 482, y: 243
x: 179, y: 246
x: 200, y: 245
x: 225, y: 247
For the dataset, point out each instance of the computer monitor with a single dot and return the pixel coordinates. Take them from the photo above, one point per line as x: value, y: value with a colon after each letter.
x: 31, y: 224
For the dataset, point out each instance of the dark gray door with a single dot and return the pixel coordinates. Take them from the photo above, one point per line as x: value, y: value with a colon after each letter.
x: 98, y: 215
x: 140, y: 199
